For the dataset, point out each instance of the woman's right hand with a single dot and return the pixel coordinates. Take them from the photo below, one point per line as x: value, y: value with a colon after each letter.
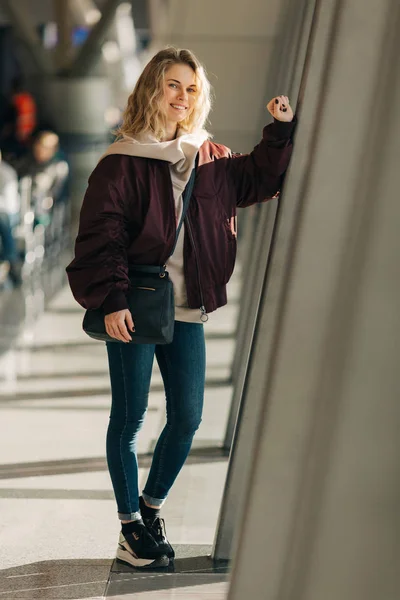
x: 118, y: 324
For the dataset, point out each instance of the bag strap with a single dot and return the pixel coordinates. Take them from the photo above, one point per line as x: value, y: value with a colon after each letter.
x: 187, y: 194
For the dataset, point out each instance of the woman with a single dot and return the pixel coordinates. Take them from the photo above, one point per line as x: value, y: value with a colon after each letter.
x: 129, y: 216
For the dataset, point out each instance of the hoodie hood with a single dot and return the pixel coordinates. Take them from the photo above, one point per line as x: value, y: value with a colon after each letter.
x: 180, y: 152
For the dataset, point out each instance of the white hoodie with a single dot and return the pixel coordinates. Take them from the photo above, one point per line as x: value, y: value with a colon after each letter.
x: 181, y: 154
x: 9, y: 195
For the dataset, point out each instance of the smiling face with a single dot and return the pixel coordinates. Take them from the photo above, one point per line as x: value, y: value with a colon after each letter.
x: 179, y: 93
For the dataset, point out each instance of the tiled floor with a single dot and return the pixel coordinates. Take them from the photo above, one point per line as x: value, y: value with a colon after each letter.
x: 168, y: 587
x: 58, y: 524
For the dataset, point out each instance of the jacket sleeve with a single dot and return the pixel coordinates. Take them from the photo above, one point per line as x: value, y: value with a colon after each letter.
x: 258, y: 176
x: 98, y: 275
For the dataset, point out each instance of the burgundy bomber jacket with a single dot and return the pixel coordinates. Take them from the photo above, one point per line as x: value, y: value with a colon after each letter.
x: 128, y: 217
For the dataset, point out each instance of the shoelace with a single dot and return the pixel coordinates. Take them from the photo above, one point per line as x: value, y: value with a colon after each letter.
x: 159, y: 525
x: 145, y: 533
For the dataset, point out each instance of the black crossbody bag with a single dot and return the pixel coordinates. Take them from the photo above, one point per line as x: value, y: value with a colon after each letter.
x: 150, y: 298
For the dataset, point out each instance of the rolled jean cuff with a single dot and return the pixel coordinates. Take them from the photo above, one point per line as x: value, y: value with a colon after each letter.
x: 135, y: 516
x: 153, y: 501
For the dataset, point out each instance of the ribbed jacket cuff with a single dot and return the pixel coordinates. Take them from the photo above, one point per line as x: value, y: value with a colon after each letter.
x: 282, y: 130
x: 116, y: 300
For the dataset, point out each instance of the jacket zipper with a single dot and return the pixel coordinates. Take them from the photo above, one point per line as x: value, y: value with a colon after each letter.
x: 204, y: 315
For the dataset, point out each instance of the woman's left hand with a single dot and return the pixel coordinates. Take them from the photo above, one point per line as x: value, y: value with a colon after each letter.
x: 280, y: 109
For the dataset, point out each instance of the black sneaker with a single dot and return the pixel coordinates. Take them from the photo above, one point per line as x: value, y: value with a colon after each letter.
x: 138, y: 548
x: 156, y: 526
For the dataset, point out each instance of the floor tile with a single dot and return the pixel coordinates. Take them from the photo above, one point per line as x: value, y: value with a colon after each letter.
x: 190, y: 586
x: 55, y: 580
x: 189, y: 558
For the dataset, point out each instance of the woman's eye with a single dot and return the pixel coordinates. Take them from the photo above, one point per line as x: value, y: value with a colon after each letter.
x: 172, y: 85
x: 191, y: 91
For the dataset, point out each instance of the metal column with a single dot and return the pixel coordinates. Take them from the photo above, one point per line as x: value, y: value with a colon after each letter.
x: 90, y: 52
x: 246, y: 406
x: 62, y: 15
x: 254, y: 269
x: 322, y: 518
x: 284, y: 76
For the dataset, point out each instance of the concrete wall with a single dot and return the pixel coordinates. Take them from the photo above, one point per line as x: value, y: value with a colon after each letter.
x: 234, y: 40
x: 38, y: 11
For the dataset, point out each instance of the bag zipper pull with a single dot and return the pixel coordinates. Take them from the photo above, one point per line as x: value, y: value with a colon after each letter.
x: 204, y: 315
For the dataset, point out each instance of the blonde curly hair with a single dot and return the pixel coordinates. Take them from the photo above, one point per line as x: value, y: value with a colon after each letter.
x: 143, y: 114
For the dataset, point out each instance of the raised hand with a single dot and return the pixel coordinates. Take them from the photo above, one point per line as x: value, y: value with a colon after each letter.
x: 280, y: 109
x: 118, y: 324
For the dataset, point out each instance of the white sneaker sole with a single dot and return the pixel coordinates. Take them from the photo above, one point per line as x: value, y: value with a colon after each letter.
x: 125, y: 555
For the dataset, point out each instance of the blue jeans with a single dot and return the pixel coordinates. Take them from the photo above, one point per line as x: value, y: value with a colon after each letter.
x: 9, y: 249
x: 182, y: 366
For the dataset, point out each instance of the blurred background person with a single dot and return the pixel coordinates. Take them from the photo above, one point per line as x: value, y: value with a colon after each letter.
x: 9, y: 218
x: 45, y: 164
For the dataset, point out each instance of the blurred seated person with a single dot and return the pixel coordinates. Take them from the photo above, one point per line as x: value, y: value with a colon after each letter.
x: 49, y: 172
x: 9, y: 217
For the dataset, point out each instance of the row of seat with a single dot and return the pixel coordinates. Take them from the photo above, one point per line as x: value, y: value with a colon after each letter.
x: 41, y: 228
